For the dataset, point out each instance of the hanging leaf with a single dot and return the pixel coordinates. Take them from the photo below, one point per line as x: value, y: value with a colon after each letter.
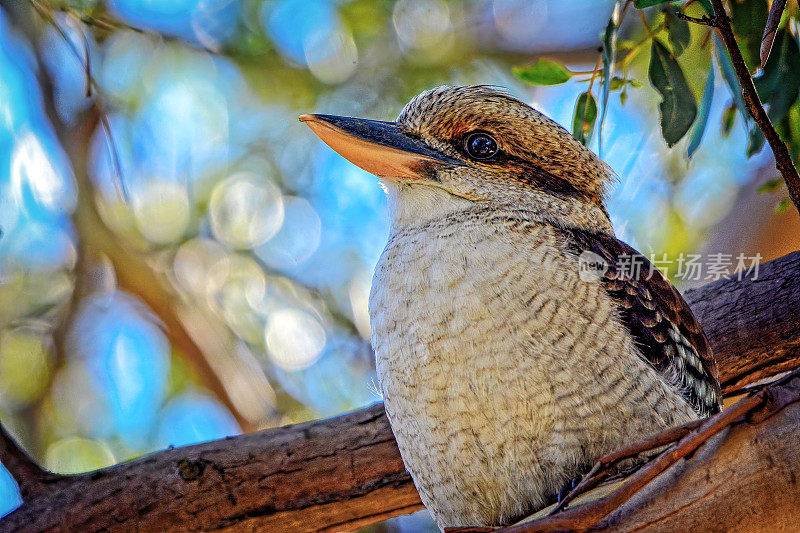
x: 748, y: 20
x: 782, y: 206
x: 648, y: 3
x: 725, y: 65
x: 543, y: 72
x: 728, y: 118
x: 678, y: 106
x: 699, y: 126
x: 755, y: 141
x: 618, y: 83
x: 778, y: 85
x: 640, y: 4
x: 609, y: 59
x: 773, y: 21
x: 679, y: 34
x: 584, y: 118
x: 707, y: 6
x: 771, y: 185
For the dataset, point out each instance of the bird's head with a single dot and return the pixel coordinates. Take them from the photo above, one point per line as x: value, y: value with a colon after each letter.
x: 454, y: 147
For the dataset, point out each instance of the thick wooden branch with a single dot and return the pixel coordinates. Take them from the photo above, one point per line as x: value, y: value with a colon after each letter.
x: 759, y: 406
x: 332, y: 474
x: 346, y: 472
x: 753, y: 324
x: 743, y: 479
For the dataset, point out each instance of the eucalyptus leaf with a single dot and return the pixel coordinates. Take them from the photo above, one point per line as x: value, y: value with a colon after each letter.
x: 779, y: 84
x: 584, y: 118
x: 728, y: 117
x: 678, y: 106
x: 700, y: 124
x: 649, y: 3
x: 679, y: 35
x: 773, y: 21
x: 771, y: 185
x: 609, y: 59
x: 543, y: 72
x: 748, y: 20
x: 709, y: 8
x: 618, y: 83
x: 729, y: 75
x: 782, y: 206
x: 755, y: 141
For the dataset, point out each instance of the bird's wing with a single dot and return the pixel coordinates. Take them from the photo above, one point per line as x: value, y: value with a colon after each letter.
x: 666, y: 332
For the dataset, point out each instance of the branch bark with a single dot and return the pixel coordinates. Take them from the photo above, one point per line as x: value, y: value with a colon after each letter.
x: 327, y: 475
x: 755, y: 409
x: 783, y: 160
x: 752, y: 324
x: 346, y: 472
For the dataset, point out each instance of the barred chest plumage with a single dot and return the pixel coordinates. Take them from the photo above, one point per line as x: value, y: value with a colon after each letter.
x: 503, y: 372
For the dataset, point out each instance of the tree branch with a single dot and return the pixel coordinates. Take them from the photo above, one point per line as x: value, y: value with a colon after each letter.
x: 783, y: 160
x: 346, y: 472
x: 334, y: 474
x: 752, y: 324
x: 758, y: 406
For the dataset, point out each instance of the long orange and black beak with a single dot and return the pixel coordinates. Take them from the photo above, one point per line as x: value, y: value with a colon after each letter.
x: 380, y: 148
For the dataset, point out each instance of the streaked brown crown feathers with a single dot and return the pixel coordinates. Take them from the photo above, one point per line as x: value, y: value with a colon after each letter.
x: 534, y: 150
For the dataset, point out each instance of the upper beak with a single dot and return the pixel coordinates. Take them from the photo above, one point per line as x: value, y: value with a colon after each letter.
x: 380, y: 148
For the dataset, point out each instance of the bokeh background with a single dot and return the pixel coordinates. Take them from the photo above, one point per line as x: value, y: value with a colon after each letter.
x: 182, y: 260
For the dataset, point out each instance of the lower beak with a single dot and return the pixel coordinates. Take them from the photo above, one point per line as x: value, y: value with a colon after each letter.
x: 380, y: 148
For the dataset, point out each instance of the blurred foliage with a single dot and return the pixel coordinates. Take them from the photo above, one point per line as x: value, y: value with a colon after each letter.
x: 182, y: 259
x: 777, y: 83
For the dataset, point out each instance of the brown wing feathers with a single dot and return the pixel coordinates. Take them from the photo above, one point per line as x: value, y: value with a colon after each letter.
x: 663, y: 326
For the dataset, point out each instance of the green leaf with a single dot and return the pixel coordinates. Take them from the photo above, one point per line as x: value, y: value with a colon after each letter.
x: 678, y: 106
x: 679, y: 35
x: 755, y: 141
x: 618, y: 83
x: 543, y: 72
x: 729, y: 74
x: 748, y: 20
x: 707, y: 6
x: 648, y: 3
x: 609, y: 59
x: 623, y: 97
x: 699, y: 126
x: 771, y: 185
x: 782, y: 206
x: 728, y: 117
x: 584, y: 118
x: 779, y: 84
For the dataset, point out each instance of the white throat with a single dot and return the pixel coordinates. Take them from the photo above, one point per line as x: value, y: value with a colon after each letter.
x: 416, y: 204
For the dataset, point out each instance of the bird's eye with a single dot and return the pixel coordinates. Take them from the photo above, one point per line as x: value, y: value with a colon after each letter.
x: 480, y: 146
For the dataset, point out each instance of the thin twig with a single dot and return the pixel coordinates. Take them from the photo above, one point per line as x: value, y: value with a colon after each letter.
x: 594, y: 73
x: 92, y: 89
x: 603, y: 466
x: 783, y: 160
x: 705, y: 20
x: 761, y: 404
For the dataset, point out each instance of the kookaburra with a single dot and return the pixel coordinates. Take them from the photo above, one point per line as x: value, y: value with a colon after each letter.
x: 505, y: 369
